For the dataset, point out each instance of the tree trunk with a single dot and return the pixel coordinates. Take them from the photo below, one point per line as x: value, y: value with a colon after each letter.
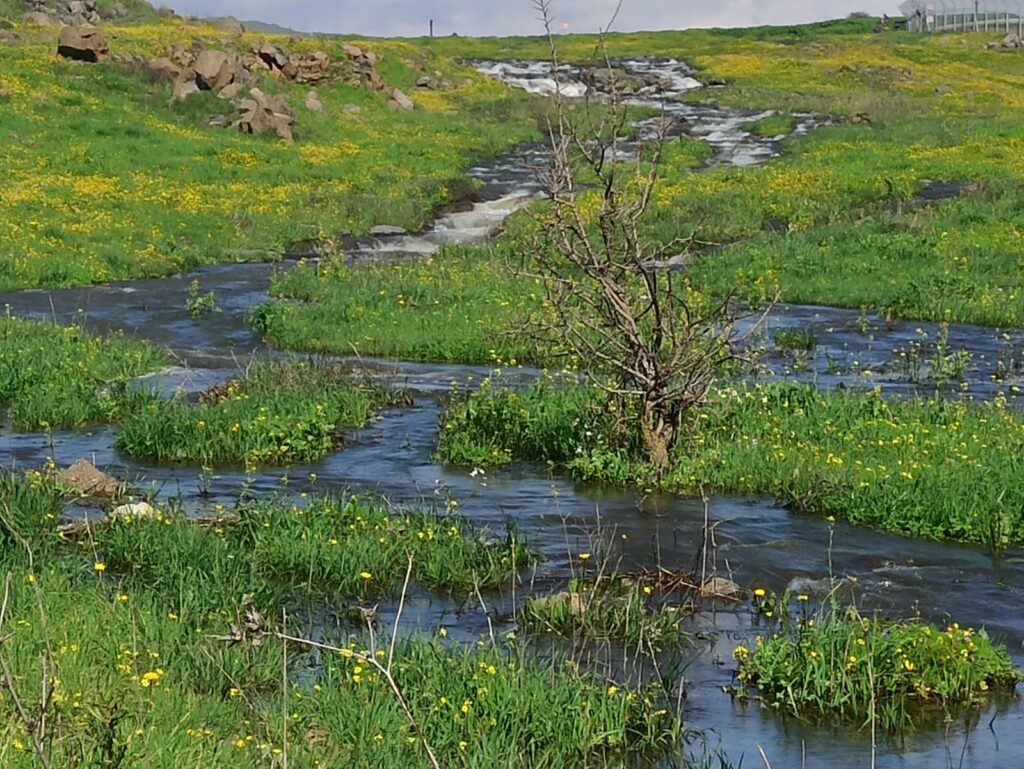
x: 659, y: 434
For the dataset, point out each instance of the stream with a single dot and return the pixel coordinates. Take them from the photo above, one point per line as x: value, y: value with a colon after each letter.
x: 758, y: 542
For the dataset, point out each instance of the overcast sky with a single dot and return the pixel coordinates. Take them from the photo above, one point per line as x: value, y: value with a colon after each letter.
x: 516, y: 17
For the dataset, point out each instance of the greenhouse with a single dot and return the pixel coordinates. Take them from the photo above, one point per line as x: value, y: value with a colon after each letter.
x: 964, y: 15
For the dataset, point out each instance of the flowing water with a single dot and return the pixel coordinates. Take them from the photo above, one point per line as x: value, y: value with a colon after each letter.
x: 757, y: 541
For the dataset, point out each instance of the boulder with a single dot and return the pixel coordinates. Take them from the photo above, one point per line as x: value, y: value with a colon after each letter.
x: 163, y: 70
x: 84, y: 43
x: 313, y: 103
x: 215, y: 69
x: 184, y: 86
x: 134, y: 511
x: 400, y: 101
x: 1012, y: 40
x: 39, y: 18
x: 78, y: 7
x: 309, y: 68
x: 271, y: 55
x: 85, y: 479
x: 720, y: 587
x: 424, y: 82
x: 228, y: 24
x: 942, y: 89
x: 230, y: 91
x: 263, y: 114
x: 566, y: 601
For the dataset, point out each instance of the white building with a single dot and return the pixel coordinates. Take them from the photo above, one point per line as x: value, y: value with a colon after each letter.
x: 964, y: 15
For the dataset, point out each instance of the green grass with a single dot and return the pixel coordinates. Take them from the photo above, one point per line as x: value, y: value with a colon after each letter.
x: 835, y: 664
x: 122, y: 640
x: 460, y: 306
x: 925, y: 468
x: 278, y: 414
x: 771, y: 126
x: 59, y: 377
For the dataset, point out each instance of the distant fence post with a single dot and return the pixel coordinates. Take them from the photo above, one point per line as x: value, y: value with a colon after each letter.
x: 431, y: 27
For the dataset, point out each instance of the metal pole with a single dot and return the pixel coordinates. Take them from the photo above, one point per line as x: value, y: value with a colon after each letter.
x: 431, y: 27
x: 976, y: 15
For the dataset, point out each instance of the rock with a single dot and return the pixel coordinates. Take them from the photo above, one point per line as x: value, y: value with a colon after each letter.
x: 83, y: 478
x: 184, y: 86
x: 384, y: 230
x: 313, y: 103
x: 83, y: 43
x: 78, y: 7
x: 352, y: 109
x: 228, y: 24
x: 163, y: 70
x: 135, y: 510
x: 352, y: 50
x: 400, y: 101
x: 565, y: 600
x: 219, y: 121
x: 720, y: 587
x: 182, y: 55
x: 5, y: 92
x: 215, y: 69
x: 424, y: 82
x: 38, y: 18
x: 1012, y: 40
x: 943, y: 89
x: 861, y: 118
x: 271, y: 55
x: 262, y: 114
x: 230, y: 91
x: 308, y: 68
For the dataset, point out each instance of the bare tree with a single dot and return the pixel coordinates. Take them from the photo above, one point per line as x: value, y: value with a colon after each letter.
x: 635, y: 325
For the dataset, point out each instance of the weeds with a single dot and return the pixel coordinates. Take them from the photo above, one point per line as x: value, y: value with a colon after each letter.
x: 59, y: 377
x: 278, y: 414
x: 835, y: 663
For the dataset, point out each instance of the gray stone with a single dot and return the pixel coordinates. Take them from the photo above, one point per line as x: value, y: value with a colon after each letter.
x: 313, y: 103
x: 400, y: 100
x: 85, y: 479
x: 384, y: 230
x: 229, y: 24
x: 134, y: 511
x: 84, y: 43
x: 215, y: 69
x: 720, y: 587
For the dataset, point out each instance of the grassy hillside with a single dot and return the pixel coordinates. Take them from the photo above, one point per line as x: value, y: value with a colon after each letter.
x: 107, y: 179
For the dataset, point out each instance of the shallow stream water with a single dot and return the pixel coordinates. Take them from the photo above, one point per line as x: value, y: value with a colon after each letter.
x: 757, y: 542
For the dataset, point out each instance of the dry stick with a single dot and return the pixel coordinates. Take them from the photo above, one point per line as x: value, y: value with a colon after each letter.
x: 398, y: 614
x: 767, y: 763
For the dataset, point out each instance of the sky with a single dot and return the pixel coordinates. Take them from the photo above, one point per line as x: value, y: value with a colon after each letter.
x: 517, y: 17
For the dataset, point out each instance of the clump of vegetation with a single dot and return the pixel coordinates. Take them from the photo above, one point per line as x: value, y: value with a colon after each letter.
x: 347, y: 548
x: 61, y: 376
x: 836, y: 663
x: 802, y: 339
x: 928, y: 468
x: 771, y: 126
x: 278, y: 414
x: 609, y: 607
x: 457, y: 307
